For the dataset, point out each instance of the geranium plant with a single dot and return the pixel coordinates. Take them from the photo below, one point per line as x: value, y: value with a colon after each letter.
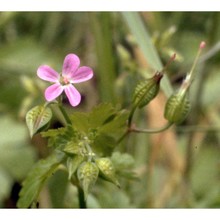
x: 85, y: 146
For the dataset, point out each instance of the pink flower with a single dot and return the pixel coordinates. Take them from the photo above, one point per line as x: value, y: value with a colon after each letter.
x: 71, y: 73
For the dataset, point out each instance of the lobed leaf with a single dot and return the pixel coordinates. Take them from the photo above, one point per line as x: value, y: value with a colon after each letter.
x: 58, y: 138
x: 117, y: 125
x: 80, y: 121
x: 100, y: 114
x: 35, y: 180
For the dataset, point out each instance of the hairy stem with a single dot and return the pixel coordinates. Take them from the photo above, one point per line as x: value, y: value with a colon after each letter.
x: 65, y: 115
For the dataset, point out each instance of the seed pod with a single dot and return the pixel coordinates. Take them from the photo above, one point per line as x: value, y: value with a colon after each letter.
x: 87, y: 174
x: 177, y: 108
x: 107, y: 170
x: 147, y: 90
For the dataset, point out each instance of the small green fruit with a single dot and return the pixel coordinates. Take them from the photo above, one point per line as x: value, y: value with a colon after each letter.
x: 177, y: 108
x: 107, y: 170
x: 87, y: 174
x: 147, y: 90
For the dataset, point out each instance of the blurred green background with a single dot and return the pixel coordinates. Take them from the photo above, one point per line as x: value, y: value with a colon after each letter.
x: 181, y: 171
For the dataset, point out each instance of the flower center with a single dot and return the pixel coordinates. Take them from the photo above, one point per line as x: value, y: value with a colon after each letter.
x: 64, y: 80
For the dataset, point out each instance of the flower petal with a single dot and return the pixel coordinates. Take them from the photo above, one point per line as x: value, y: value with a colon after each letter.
x: 47, y: 73
x: 84, y: 73
x: 53, y: 91
x: 72, y: 94
x: 70, y: 64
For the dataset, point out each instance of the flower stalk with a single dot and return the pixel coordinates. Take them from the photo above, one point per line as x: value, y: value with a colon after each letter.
x: 64, y: 113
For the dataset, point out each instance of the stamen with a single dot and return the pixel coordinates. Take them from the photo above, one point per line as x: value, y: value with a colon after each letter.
x: 64, y: 80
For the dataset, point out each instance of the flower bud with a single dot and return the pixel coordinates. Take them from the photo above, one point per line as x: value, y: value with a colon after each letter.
x: 147, y: 90
x: 87, y: 174
x: 107, y: 170
x: 177, y: 108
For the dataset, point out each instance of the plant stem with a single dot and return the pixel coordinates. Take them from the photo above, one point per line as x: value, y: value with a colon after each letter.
x: 123, y: 136
x: 131, y: 115
x: 81, y: 197
x: 149, y: 131
x: 82, y: 201
x: 65, y: 115
x: 154, y: 130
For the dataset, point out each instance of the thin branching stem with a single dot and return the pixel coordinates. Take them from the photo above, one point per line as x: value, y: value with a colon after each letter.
x: 150, y: 131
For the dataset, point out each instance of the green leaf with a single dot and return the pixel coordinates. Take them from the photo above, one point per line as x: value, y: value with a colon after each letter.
x: 116, y: 126
x: 101, y: 114
x: 103, y: 144
x: 80, y: 121
x: 54, y: 136
x: 53, y: 132
x: 103, y: 126
x: 58, y: 138
x: 37, y: 118
x: 35, y: 180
